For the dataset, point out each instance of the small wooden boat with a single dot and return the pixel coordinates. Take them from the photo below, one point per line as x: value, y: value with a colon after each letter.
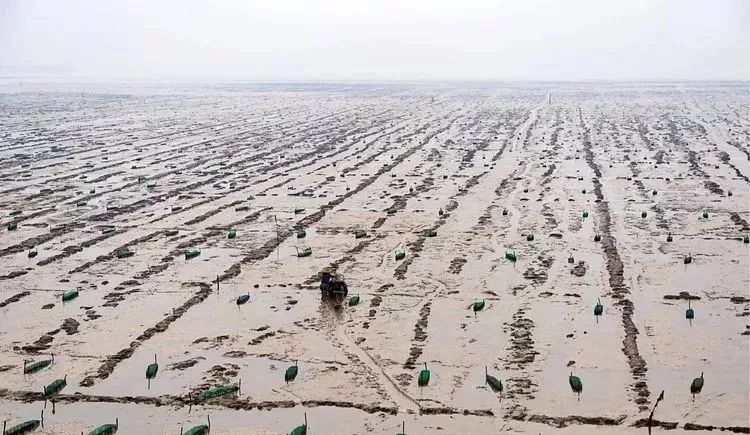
x: 585, y: 213
x: 291, y: 373
x: 431, y: 233
x: 400, y: 254
x: 505, y: 212
x: 25, y: 427
x: 440, y: 212
x: 124, y: 253
x: 152, y: 369
x: 354, y: 300
x: 201, y: 429
x: 688, y: 259
x: 299, y: 210
x: 69, y: 295
x: 221, y: 390
x: 15, y: 213
x: 689, y: 313
x: 571, y: 260
x: 242, y: 208
x: 304, y: 252
x: 598, y: 308
x: 575, y: 383
x: 232, y: 234
x: 530, y: 237
x: 151, y: 185
x: 56, y: 386
x: 644, y: 214
x: 106, y: 429
x: 493, y: 382
x: 37, y: 366
x: 360, y: 234
x: 705, y: 215
x: 729, y: 193
x: 192, y: 254
x: 511, y: 256
x: 242, y: 299
x: 108, y: 230
x: 80, y: 203
x: 11, y: 226
x: 669, y: 237
x: 33, y: 253
x: 171, y: 233
x: 746, y: 239
x: 424, y: 377
x: 478, y: 305
x: 583, y: 191
x: 697, y: 385
x: 597, y: 238
x: 301, y: 234
x: 301, y: 429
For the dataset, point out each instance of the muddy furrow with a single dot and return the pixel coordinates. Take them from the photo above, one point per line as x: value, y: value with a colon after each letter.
x: 308, y: 221
x: 617, y: 284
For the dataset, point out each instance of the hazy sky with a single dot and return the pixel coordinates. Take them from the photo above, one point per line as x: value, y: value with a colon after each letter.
x: 380, y: 40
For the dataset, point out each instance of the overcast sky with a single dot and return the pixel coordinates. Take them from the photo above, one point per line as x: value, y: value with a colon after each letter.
x: 380, y: 39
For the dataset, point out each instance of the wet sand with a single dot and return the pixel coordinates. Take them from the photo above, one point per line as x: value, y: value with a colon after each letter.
x: 95, y: 168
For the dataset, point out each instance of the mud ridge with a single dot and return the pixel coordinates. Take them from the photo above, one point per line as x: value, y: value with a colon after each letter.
x: 616, y: 280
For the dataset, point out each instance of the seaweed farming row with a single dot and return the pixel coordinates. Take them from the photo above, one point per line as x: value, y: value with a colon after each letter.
x: 377, y: 259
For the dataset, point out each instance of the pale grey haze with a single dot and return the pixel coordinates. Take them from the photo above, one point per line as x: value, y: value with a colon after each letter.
x: 378, y: 40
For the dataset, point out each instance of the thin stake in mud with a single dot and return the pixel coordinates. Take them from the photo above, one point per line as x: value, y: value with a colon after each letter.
x: 278, y: 244
x: 651, y: 417
x: 217, y: 284
x: 403, y: 428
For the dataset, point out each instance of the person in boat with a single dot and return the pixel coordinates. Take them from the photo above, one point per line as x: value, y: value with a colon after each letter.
x: 332, y: 284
